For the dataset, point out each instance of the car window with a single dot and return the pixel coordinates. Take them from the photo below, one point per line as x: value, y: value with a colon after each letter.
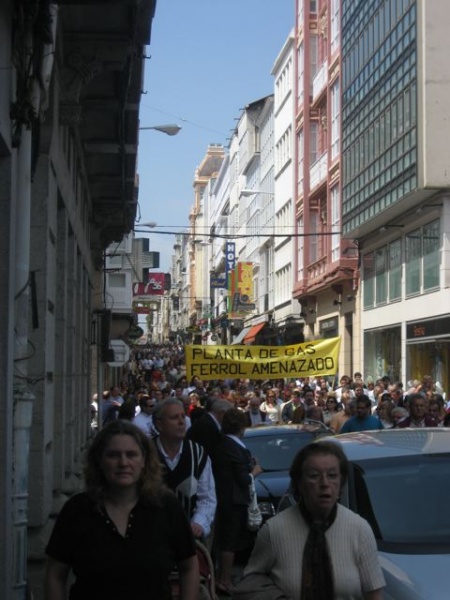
x: 276, y: 452
x: 404, y: 499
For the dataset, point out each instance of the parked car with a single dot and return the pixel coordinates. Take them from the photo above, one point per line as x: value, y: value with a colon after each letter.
x: 274, y: 447
x: 399, y: 481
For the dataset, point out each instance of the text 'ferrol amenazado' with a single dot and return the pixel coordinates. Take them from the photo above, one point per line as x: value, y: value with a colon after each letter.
x: 310, y: 359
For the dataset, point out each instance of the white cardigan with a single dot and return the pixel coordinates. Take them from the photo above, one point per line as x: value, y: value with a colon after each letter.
x: 278, y: 552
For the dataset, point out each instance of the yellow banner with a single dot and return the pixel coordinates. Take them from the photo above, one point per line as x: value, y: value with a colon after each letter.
x: 310, y: 359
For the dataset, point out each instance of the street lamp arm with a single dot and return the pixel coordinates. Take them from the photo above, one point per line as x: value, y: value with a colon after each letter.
x: 248, y: 192
x: 170, y: 129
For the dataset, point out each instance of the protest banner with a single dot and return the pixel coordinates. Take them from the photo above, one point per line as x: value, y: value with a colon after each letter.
x: 310, y: 359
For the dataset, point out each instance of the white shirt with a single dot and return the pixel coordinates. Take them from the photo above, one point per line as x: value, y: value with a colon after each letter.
x: 145, y: 422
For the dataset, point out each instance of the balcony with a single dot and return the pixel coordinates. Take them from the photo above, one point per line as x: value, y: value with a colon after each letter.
x: 318, y: 172
x: 319, y: 82
x: 316, y: 270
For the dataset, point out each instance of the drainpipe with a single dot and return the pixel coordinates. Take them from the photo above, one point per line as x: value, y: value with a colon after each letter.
x: 23, y: 396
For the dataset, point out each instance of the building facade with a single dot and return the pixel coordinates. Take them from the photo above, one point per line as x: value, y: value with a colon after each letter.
x: 286, y: 309
x: 395, y: 131
x: 68, y: 143
x: 327, y: 276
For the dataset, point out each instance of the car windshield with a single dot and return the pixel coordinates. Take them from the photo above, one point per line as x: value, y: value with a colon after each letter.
x: 405, y: 499
x: 275, y: 452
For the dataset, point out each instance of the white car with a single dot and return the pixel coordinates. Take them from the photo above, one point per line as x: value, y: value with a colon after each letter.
x: 399, y: 481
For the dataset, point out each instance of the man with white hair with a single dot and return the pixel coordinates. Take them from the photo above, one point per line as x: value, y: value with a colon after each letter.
x: 187, y: 466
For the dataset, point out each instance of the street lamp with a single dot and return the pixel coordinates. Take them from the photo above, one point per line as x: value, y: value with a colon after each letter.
x: 170, y: 129
x: 150, y: 224
x: 247, y: 192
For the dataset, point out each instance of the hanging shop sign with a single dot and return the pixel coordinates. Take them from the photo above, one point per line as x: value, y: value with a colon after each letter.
x: 230, y: 260
x: 154, y: 286
x: 310, y: 359
x: 241, y: 289
x: 217, y: 283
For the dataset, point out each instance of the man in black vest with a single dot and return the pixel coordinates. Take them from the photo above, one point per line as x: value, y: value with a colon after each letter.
x: 186, y: 466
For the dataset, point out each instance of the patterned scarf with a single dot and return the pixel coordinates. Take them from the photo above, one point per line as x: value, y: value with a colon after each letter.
x: 317, y: 571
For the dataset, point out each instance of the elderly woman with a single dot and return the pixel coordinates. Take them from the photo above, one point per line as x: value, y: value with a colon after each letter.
x: 124, y: 535
x: 317, y: 549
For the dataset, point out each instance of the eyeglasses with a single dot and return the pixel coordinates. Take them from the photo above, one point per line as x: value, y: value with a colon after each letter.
x: 150, y: 405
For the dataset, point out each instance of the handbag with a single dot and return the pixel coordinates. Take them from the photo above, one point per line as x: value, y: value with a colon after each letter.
x: 254, y: 515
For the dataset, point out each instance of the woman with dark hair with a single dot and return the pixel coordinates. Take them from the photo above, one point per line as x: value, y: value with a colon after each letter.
x: 234, y: 466
x: 317, y: 549
x: 124, y: 535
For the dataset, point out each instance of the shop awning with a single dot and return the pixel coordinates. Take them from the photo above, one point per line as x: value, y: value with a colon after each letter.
x: 240, y: 338
x: 254, y: 330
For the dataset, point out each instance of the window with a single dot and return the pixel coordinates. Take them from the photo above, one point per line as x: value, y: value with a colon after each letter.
x: 412, y: 262
x: 313, y: 143
x: 368, y: 280
x: 314, y: 51
x: 300, y: 14
x: 380, y: 276
x: 300, y: 249
x: 335, y: 223
x: 395, y: 270
x: 117, y: 280
x: 301, y: 72
x: 301, y: 162
x: 335, y: 25
x: 431, y: 259
x: 335, y: 119
x: 313, y: 239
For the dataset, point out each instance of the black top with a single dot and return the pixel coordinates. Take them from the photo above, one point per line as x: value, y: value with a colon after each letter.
x: 234, y: 466
x: 205, y: 432
x: 109, y: 566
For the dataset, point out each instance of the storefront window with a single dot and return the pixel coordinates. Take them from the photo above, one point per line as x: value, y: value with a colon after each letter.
x: 382, y: 353
x: 429, y: 358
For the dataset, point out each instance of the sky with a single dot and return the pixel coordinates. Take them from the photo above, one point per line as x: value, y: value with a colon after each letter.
x: 207, y: 59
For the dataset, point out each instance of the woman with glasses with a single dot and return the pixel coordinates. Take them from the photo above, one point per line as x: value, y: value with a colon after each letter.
x: 316, y: 549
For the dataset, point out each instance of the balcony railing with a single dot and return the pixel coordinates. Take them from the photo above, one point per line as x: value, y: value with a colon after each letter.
x: 319, y: 80
x: 316, y: 270
x: 318, y: 171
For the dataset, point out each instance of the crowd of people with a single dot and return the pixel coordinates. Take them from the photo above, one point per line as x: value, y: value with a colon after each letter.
x: 158, y: 435
x: 158, y: 375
